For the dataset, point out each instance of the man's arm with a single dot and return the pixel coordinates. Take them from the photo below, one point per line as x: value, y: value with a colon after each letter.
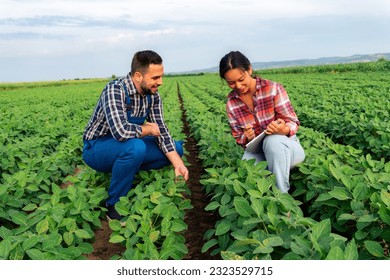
x: 178, y: 164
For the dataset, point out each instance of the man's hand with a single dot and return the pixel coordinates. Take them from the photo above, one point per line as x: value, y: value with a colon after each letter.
x: 182, y: 171
x: 150, y: 129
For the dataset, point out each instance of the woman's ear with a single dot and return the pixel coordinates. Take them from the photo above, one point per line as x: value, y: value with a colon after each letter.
x: 250, y: 70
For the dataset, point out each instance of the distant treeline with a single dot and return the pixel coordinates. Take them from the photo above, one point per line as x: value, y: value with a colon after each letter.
x: 184, y: 74
x: 18, y: 85
x: 380, y: 65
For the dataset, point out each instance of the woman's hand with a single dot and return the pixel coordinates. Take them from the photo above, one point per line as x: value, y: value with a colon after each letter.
x: 249, y: 132
x: 277, y: 127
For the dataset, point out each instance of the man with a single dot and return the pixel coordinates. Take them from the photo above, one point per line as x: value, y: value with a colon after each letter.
x: 127, y: 133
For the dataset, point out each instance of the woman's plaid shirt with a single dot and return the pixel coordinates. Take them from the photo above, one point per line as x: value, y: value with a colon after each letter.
x: 271, y: 102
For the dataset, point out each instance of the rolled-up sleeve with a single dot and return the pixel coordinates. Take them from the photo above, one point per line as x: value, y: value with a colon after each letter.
x: 285, y: 111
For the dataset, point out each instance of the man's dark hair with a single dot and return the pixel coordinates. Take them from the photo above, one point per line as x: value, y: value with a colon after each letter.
x: 233, y: 60
x: 142, y: 60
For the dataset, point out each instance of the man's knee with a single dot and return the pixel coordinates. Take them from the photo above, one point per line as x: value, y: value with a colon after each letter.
x: 179, y: 147
x: 134, y: 148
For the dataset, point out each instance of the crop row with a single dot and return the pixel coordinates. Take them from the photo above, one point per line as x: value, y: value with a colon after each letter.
x: 351, y: 108
x: 353, y: 214
x: 49, y: 211
x: 40, y: 147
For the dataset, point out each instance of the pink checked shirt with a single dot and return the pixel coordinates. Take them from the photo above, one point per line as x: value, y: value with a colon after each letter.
x: 271, y: 102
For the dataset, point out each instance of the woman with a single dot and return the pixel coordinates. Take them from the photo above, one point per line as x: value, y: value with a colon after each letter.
x: 255, y: 105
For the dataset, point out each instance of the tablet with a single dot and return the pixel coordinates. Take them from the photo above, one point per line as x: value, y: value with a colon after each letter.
x: 253, y: 145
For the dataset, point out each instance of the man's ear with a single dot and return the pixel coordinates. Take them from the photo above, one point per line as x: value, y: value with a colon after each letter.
x: 137, y: 77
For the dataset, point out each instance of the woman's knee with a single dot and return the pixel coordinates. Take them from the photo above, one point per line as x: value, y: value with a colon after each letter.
x: 274, y: 144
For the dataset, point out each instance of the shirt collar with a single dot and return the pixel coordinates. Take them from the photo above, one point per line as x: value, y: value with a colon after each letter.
x: 129, y: 83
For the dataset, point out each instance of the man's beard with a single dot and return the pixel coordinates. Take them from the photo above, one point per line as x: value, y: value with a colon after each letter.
x: 146, y: 90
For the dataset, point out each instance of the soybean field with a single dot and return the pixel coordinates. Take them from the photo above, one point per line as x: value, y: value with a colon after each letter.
x: 51, y: 203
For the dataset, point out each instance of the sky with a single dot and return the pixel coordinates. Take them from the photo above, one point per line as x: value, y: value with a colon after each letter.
x: 42, y: 40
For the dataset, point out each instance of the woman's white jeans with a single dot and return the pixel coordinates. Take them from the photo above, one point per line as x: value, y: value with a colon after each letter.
x: 282, y: 154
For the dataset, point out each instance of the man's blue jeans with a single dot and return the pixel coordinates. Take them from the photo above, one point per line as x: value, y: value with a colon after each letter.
x: 123, y: 160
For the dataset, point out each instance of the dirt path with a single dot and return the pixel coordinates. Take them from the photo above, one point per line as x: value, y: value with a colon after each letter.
x: 197, y: 219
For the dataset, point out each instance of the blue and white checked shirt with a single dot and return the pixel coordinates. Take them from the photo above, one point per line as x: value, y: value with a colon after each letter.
x: 110, y: 117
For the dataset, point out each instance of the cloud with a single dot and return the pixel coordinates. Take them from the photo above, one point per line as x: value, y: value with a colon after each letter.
x: 98, y: 34
x: 160, y: 32
x: 29, y: 36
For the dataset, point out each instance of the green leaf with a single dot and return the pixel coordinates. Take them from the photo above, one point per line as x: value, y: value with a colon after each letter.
x: 223, y: 227
x: 385, y: 196
x: 374, y: 248
x: 225, y: 199
x: 209, y: 244
x: 19, y: 218
x: 228, y: 255
x: 30, y: 207
x: 255, y: 193
x: 321, y: 229
x: 351, y: 251
x: 5, y: 248
x: 154, y: 235
x: 178, y: 225
x: 263, y: 249
x: 212, y: 206
x: 131, y: 224
x: 242, y: 207
x: 252, y: 221
x: 82, y: 233
x: 238, y: 188
x: 346, y: 217
x: 263, y: 185
x: 70, y: 224
x: 248, y: 242
x: 5, y: 232
x: 115, y: 225
x: 340, y: 194
x: 257, y: 206
x: 68, y: 238
x: 323, y: 197
x: 335, y: 254
x: 52, y: 241
x: 117, y: 239
x: 30, y: 242
x: 42, y: 226
x: 367, y: 219
x: 69, y: 253
x: 35, y: 254
x: 384, y: 214
x: 273, y: 241
x: 151, y: 250
x: 87, y: 215
x: 86, y: 248
x: 58, y: 213
x: 154, y: 197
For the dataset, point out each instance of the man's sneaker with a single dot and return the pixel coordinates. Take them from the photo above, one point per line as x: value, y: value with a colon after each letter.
x: 112, y: 214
